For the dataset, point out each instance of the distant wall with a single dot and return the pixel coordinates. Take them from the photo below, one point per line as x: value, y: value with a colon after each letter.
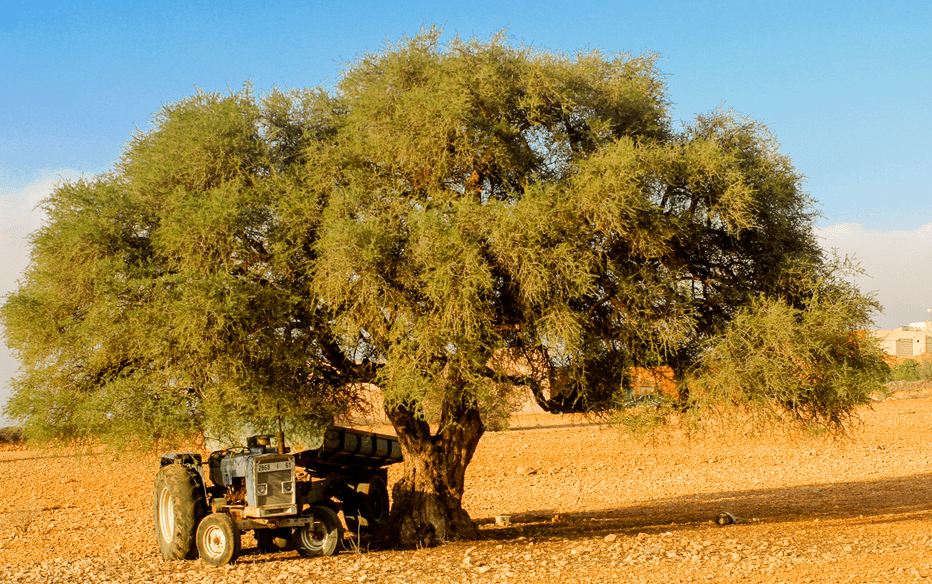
x: 904, y: 343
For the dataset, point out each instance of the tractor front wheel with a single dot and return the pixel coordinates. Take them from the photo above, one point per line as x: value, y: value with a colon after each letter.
x: 218, y: 539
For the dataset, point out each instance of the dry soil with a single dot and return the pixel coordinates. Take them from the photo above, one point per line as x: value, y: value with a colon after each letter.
x: 586, y: 505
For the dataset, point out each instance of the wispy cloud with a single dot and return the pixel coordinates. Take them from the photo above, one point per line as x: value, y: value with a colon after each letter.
x: 897, y: 265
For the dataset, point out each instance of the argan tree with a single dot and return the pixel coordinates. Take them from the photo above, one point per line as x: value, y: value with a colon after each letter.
x: 454, y: 221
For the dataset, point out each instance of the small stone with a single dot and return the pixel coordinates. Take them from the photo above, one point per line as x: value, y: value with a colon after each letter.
x: 725, y: 518
x: 610, y: 538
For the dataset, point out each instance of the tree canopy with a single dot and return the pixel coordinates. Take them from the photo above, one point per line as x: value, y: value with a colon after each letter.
x: 454, y: 220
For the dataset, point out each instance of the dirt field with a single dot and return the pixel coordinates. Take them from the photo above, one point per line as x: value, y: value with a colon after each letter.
x: 586, y: 505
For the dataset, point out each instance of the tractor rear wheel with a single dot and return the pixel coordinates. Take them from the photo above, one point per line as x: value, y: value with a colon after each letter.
x: 179, y: 506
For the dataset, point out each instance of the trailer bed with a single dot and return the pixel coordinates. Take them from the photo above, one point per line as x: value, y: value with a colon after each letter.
x: 348, y: 447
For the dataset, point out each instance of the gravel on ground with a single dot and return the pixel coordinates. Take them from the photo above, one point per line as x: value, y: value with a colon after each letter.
x: 586, y: 504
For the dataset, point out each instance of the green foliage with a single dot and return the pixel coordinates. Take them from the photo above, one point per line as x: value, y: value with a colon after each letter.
x: 645, y: 418
x: 440, y: 241
x: 812, y: 362
x: 910, y: 370
x: 11, y: 435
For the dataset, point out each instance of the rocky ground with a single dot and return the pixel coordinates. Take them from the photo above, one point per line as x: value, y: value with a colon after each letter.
x: 586, y: 505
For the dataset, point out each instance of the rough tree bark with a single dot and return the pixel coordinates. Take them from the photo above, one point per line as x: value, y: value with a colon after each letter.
x: 427, y: 503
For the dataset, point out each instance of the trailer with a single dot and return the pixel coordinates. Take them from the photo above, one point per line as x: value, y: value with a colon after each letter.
x: 288, y: 500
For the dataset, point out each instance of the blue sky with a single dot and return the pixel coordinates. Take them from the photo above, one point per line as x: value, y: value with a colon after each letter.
x: 845, y: 87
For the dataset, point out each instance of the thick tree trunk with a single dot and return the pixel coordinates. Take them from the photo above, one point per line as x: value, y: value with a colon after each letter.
x: 427, y: 503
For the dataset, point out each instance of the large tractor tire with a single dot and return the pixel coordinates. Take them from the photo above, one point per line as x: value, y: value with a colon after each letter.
x: 179, y: 506
x: 368, y: 511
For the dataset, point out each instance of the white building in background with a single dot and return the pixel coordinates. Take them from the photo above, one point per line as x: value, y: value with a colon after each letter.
x: 907, y: 341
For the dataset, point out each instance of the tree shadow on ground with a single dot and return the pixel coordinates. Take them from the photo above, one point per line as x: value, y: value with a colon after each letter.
x: 882, y: 500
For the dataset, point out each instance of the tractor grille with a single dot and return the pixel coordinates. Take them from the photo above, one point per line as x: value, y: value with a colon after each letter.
x: 275, y: 482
